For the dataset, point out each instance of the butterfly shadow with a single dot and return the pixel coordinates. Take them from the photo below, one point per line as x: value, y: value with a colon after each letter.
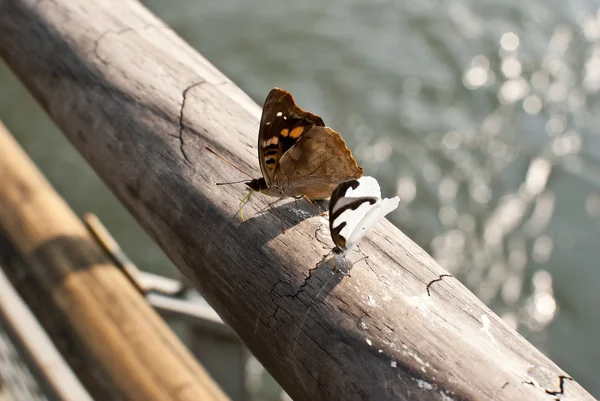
x: 330, y: 271
x: 327, y: 274
x: 283, y: 215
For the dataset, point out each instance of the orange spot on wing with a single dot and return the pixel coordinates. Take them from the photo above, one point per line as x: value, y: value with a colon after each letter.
x: 285, y: 132
x: 296, y: 132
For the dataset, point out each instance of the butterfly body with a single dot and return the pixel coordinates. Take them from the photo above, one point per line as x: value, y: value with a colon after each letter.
x: 298, y: 155
x: 355, y: 207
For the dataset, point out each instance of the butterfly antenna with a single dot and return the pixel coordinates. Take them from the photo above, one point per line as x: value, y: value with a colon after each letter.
x: 230, y: 183
x: 228, y: 162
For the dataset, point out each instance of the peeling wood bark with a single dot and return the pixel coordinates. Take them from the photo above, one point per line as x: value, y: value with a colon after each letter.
x: 117, y: 330
x: 141, y: 105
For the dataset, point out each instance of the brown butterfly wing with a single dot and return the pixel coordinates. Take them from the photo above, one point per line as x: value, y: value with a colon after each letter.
x: 316, y: 165
x: 282, y: 125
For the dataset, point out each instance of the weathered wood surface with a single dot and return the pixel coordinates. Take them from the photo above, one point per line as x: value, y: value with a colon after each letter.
x: 140, y: 105
x: 125, y: 337
x: 35, y: 344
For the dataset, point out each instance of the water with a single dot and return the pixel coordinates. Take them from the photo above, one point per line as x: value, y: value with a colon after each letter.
x: 482, y: 116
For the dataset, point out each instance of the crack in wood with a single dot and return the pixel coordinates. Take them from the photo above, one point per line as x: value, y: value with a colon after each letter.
x: 273, y: 288
x: 440, y: 278
x: 310, y: 272
x: 561, y: 386
x: 562, y: 383
x: 181, y: 125
x: 271, y: 316
x: 317, y: 237
x: 555, y: 394
x: 293, y: 296
x: 117, y: 33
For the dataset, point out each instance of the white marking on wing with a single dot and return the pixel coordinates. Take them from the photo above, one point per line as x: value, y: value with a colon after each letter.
x: 377, y: 212
x: 352, y: 218
x: 367, y: 186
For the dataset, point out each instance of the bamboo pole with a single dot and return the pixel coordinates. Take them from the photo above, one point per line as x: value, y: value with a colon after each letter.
x: 22, y: 325
x: 140, y: 105
x: 124, y: 335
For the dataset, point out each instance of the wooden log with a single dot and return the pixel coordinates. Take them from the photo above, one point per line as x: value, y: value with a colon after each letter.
x: 17, y: 382
x: 124, y: 335
x: 159, y: 290
x: 56, y: 325
x: 112, y: 248
x: 37, y: 346
x: 140, y: 105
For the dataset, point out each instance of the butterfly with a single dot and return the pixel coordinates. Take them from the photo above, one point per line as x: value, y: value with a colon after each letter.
x: 355, y: 207
x: 298, y: 155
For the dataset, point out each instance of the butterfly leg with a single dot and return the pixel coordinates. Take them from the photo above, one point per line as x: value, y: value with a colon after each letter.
x: 316, y: 208
x: 276, y: 214
x: 334, y: 268
x: 365, y: 257
x: 270, y: 205
x: 247, y: 198
x: 242, y: 203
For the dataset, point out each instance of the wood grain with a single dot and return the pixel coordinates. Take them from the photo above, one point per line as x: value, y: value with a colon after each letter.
x: 140, y: 105
x: 124, y: 336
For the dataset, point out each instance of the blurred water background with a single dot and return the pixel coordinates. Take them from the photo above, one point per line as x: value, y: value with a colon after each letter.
x: 482, y: 115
